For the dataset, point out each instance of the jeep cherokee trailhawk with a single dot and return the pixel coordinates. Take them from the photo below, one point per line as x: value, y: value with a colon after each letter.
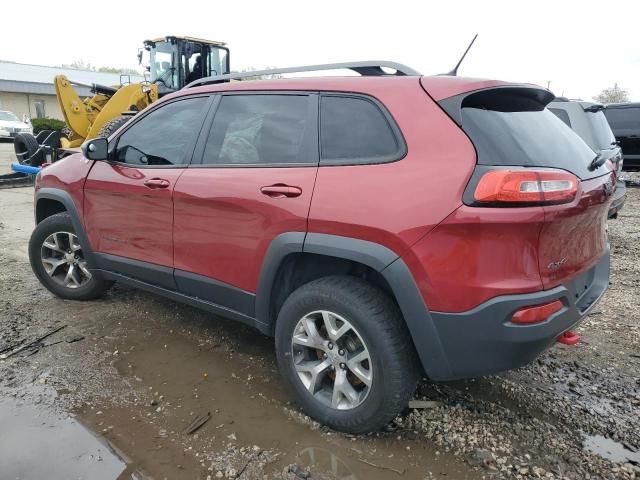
x: 380, y: 226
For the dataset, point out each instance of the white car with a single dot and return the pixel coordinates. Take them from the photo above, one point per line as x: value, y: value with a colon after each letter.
x: 10, y: 125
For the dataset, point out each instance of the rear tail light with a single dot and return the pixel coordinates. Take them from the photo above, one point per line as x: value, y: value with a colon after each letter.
x: 530, y: 187
x: 536, y: 314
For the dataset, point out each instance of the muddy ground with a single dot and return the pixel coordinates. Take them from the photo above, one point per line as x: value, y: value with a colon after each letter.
x: 111, y: 393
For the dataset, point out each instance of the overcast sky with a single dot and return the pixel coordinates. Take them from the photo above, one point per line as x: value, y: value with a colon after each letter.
x: 581, y: 47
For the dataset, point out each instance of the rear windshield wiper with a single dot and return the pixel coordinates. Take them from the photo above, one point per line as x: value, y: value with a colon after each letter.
x: 595, y: 108
x: 597, y: 162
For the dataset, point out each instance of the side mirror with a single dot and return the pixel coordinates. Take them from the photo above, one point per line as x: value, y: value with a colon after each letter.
x: 139, y: 56
x: 96, y: 149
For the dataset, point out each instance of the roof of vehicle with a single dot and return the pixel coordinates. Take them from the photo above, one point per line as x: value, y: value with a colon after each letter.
x: 562, y: 102
x: 190, y: 39
x: 624, y: 105
x: 439, y: 87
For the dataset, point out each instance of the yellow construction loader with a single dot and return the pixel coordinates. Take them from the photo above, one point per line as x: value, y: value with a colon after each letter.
x: 173, y: 62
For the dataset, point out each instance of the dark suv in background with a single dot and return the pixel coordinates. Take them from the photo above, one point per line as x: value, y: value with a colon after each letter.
x: 379, y: 227
x: 624, y: 119
x: 587, y: 119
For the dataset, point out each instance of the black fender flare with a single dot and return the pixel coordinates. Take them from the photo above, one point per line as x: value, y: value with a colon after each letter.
x: 65, y: 199
x: 378, y: 257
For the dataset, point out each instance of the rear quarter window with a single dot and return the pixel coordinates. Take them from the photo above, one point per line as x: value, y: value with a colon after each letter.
x: 355, y: 129
x: 562, y: 115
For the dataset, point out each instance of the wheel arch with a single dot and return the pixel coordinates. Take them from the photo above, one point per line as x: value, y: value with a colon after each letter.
x: 51, y: 201
x: 330, y: 254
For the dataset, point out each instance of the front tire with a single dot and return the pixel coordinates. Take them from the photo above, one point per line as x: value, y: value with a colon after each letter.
x: 57, y: 259
x: 343, y: 349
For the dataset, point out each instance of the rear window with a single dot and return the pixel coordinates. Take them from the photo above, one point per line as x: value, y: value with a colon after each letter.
x: 356, y: 130
x: 512, y: 128
x: 623, y: 118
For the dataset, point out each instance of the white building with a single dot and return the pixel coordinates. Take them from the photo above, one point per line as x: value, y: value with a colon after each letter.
x: 27, y: 90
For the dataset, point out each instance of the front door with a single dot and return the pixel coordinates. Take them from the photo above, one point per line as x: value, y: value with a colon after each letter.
x: 128, y: 204
x: 255, y: 181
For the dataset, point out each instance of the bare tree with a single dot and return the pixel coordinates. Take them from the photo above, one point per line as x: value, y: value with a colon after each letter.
x: 613, y: 94
x: 86, y: 65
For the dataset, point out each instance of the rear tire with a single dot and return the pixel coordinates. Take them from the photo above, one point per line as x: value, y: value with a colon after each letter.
x: 373, y: 328
x: 54, y: 250
x: 25, y: 146
x: 112, y: 125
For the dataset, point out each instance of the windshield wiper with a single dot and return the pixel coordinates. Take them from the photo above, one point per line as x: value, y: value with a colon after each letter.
x: 597, y: 162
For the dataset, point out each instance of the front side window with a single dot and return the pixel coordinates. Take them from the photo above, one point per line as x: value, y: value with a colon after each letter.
x: 261, y: 129
x: 354, y: 129
x: 164, y: 136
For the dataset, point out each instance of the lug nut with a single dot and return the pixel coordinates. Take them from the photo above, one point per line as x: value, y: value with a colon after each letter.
x: 330, y: 346
x: 341, y: 352
x: 324, y: 355
x: 343, y: 366
x: 332, y: 367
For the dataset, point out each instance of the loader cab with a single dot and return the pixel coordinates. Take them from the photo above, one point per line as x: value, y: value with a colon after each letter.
x: 176, y: 61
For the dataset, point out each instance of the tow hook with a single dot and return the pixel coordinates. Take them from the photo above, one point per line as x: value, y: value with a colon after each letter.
x: 569, y: 338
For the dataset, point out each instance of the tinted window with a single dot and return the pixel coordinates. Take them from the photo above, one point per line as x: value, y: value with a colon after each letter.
x: 353, y: 129
x: 623, y: 118
x: 602, y: 134
x: 164, y: 136
x: 261, y: 129
x: 514, y: 129
x: 561, y: 114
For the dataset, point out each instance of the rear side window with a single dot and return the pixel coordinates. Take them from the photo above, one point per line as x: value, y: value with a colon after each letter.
x: 512, y: 127
x: 356, y: 130
x: 256, y: 129
x: 562, y: 115
x: 602, y: 134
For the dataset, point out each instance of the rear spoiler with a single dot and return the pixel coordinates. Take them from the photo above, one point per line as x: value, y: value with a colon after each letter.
x: 500, y: 98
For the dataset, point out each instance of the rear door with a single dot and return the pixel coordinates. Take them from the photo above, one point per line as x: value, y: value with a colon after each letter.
x: 258, y: 167
x: 128, y: 203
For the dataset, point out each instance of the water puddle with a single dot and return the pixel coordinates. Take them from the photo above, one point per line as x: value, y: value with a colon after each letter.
x: 36, y: 443
x: 610, y: 449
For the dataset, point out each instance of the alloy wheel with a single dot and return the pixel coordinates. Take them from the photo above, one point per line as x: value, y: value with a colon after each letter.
x: 331, y: 360
x: 62, y: 258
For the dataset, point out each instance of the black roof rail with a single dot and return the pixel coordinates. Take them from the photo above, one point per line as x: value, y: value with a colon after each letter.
x: 367, y: 68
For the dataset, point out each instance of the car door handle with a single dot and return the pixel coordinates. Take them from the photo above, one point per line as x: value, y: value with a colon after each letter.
x: 280, y: 191
x: 156, y: 183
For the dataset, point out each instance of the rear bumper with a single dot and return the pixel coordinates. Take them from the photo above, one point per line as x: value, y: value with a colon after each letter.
x: 483, y: 340
x: 618, y: 199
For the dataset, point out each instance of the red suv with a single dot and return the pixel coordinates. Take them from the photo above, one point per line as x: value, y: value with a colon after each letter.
x: 379, y: 226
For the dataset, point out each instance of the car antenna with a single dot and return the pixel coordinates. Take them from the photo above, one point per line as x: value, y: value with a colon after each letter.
x: 454, y: 72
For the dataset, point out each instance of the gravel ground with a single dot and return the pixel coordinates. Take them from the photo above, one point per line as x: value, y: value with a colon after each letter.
x: 136, y: 369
